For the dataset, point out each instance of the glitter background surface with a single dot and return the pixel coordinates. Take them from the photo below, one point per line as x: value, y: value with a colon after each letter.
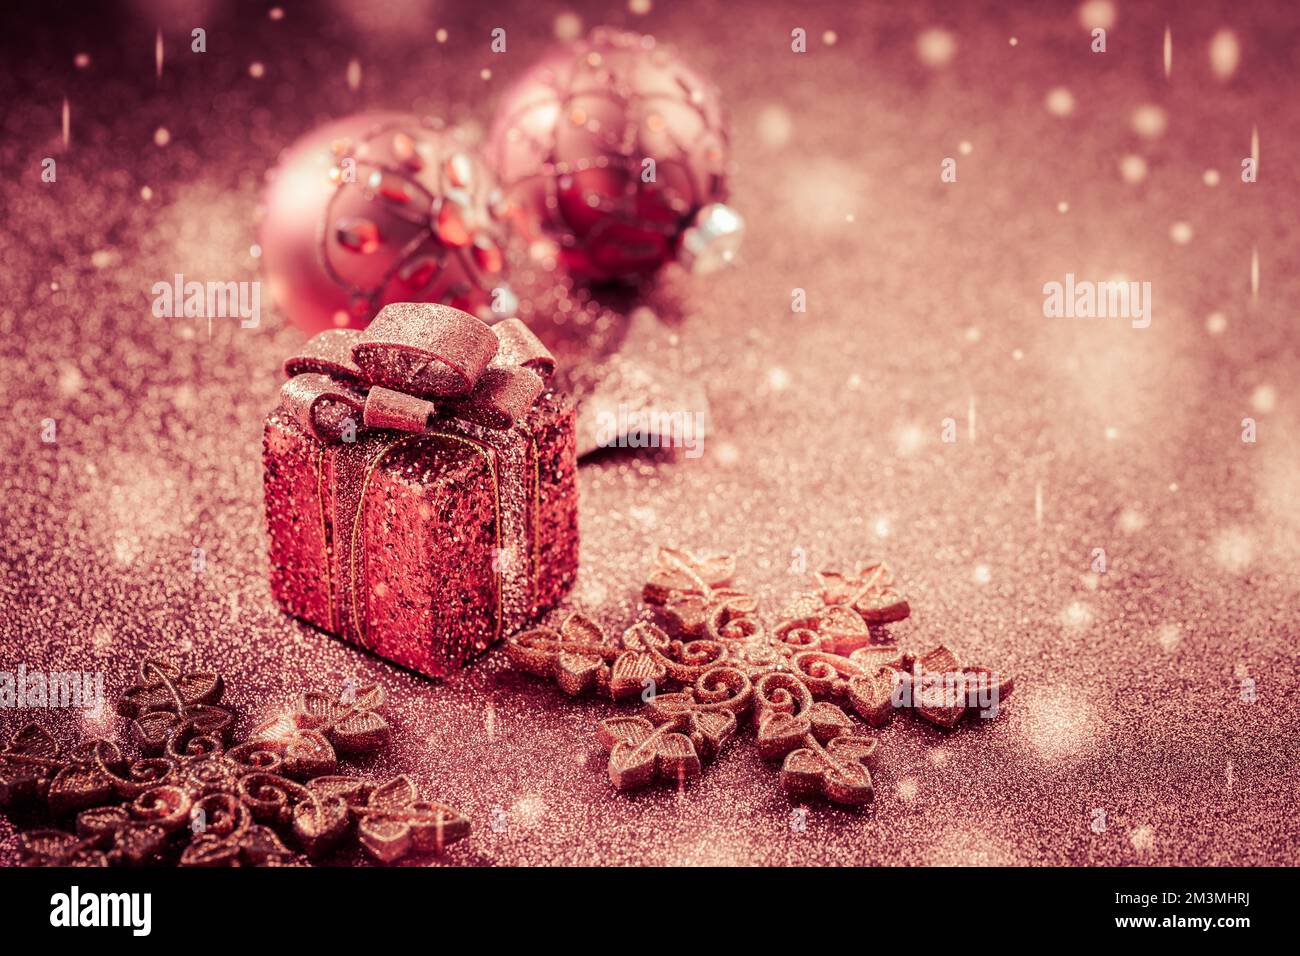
x: 924, y: 303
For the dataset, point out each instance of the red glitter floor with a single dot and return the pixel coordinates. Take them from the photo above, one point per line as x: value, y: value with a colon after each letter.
x: 1155, y: 715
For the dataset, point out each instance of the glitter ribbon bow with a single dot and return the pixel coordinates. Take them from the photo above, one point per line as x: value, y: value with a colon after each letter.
x: 416, y: 362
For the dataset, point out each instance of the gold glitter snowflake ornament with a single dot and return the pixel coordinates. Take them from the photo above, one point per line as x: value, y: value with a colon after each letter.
x: 195, y: 798
x: 796, y: 683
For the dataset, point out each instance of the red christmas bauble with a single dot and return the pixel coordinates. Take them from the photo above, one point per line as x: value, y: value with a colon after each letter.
x: 379, y: 208
x: 613, y: 150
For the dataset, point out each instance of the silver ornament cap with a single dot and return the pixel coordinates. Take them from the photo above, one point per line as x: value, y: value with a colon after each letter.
x: 713, y: 240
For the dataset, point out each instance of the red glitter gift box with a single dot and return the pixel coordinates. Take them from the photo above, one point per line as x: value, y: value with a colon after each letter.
x: 420, y: 477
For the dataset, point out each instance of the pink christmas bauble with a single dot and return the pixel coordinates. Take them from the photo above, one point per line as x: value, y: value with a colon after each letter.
x: 616, y: 152
x: 379, y: 208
